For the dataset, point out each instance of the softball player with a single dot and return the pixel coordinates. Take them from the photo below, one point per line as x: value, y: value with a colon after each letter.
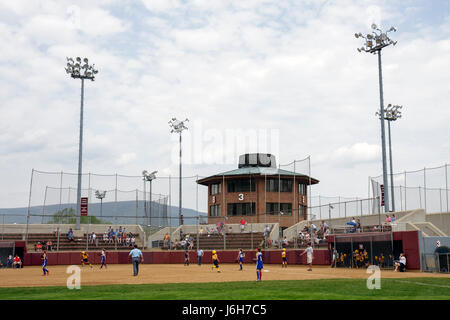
x: 44, y: 264
x: 240, y: 257
x: 215, y: 260
x: 85, y: 259
x: 283, y: 258
x: 259, y: 265
x: 103, y: 258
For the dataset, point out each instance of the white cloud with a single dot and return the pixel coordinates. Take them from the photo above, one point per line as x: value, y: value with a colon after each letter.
x: 126, y: 159
x: 287, y: 66
x: 356, y: 154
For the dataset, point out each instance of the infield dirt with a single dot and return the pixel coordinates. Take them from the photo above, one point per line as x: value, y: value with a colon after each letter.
x: 174, y: 273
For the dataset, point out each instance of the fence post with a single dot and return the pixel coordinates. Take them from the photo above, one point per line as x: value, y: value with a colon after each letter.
x: 345, y: 209
x: 115, y: 199
x: 60, y: 191
x: 406, y: 190
x: 29, y: 205
x: 57, y: 238
x: 420, y: 198
x: 339, y: 201
x: 43, y: 207
x: 87, y: 233
x: 251, y: 232
x: 137, y: 204
x: 425, y: 188
x: 401, y: 199
x: 446, y: 185
x: 361, y: 207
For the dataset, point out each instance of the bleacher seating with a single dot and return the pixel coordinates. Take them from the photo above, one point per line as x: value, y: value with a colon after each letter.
x: 232, y: 241
x: 64, y: 243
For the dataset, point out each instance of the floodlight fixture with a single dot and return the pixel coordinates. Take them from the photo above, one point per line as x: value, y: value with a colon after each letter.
x: 76, y: 70
x: 100, y: 195
x: 381, y: 39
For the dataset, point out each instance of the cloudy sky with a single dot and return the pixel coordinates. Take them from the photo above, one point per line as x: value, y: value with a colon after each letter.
x: 269, y: 76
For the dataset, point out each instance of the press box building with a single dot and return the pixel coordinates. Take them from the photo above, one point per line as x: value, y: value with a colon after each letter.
x: 258, y: 191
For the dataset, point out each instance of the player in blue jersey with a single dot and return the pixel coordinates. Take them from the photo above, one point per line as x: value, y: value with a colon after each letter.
x: 259, y: 265
x: 240, y: 258
x: 44, y: 264
x: 103, y: 258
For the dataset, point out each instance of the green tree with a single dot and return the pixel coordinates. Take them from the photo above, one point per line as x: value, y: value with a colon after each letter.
x: 68, y: 216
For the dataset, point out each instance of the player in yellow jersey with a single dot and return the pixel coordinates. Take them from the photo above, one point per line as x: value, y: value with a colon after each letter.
x: 283, y: 258
x: 215, y: 260
x: 85, y: 259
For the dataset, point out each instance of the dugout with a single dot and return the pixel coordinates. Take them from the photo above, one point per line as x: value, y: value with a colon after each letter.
x: 12, y: 248
x: 390, y: 244
x: 364, y: 249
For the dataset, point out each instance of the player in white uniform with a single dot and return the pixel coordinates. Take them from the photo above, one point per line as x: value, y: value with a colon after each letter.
x: 309, y: 256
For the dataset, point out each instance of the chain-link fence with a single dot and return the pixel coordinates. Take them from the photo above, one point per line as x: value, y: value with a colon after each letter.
x: 114, y: 195
x: 427, y: 188
x: 341, y: 209
x: 436, y: 262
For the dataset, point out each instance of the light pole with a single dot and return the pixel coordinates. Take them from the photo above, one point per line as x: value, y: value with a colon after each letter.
x: 391, y: 113
x: 375, y: 42
x: 83, y: 72
x: 178, y: 127
x: 149, y: 177
x: 100, y: 195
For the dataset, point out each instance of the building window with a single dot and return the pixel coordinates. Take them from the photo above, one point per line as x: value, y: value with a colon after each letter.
x: 301, y: 210
x: 214, y: 189
x: 272, y: 185
x: 302, y: 189
x: 241, y: 209
x: 241, y: 185
x: 272, y: 208
x: 214, y: 211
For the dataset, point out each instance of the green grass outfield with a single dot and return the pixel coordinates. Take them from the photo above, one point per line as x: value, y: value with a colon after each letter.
x: 339, y: 289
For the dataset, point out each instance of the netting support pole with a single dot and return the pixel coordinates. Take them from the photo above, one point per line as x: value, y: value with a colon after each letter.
x: 425, y: 188
x: 57, y: 238
x: 446, y: 186
x: 137, y: 204
x: 401, y: 199
x: 29, y: 205
x: 60, y: 191
x: 43, y: 207
x: 406, y: 190
x: 115, y: 199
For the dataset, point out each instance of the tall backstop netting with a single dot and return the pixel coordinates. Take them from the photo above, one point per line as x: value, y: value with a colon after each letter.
x: 427, y: 188
x: 112, y: 198
x: 362, y: 250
